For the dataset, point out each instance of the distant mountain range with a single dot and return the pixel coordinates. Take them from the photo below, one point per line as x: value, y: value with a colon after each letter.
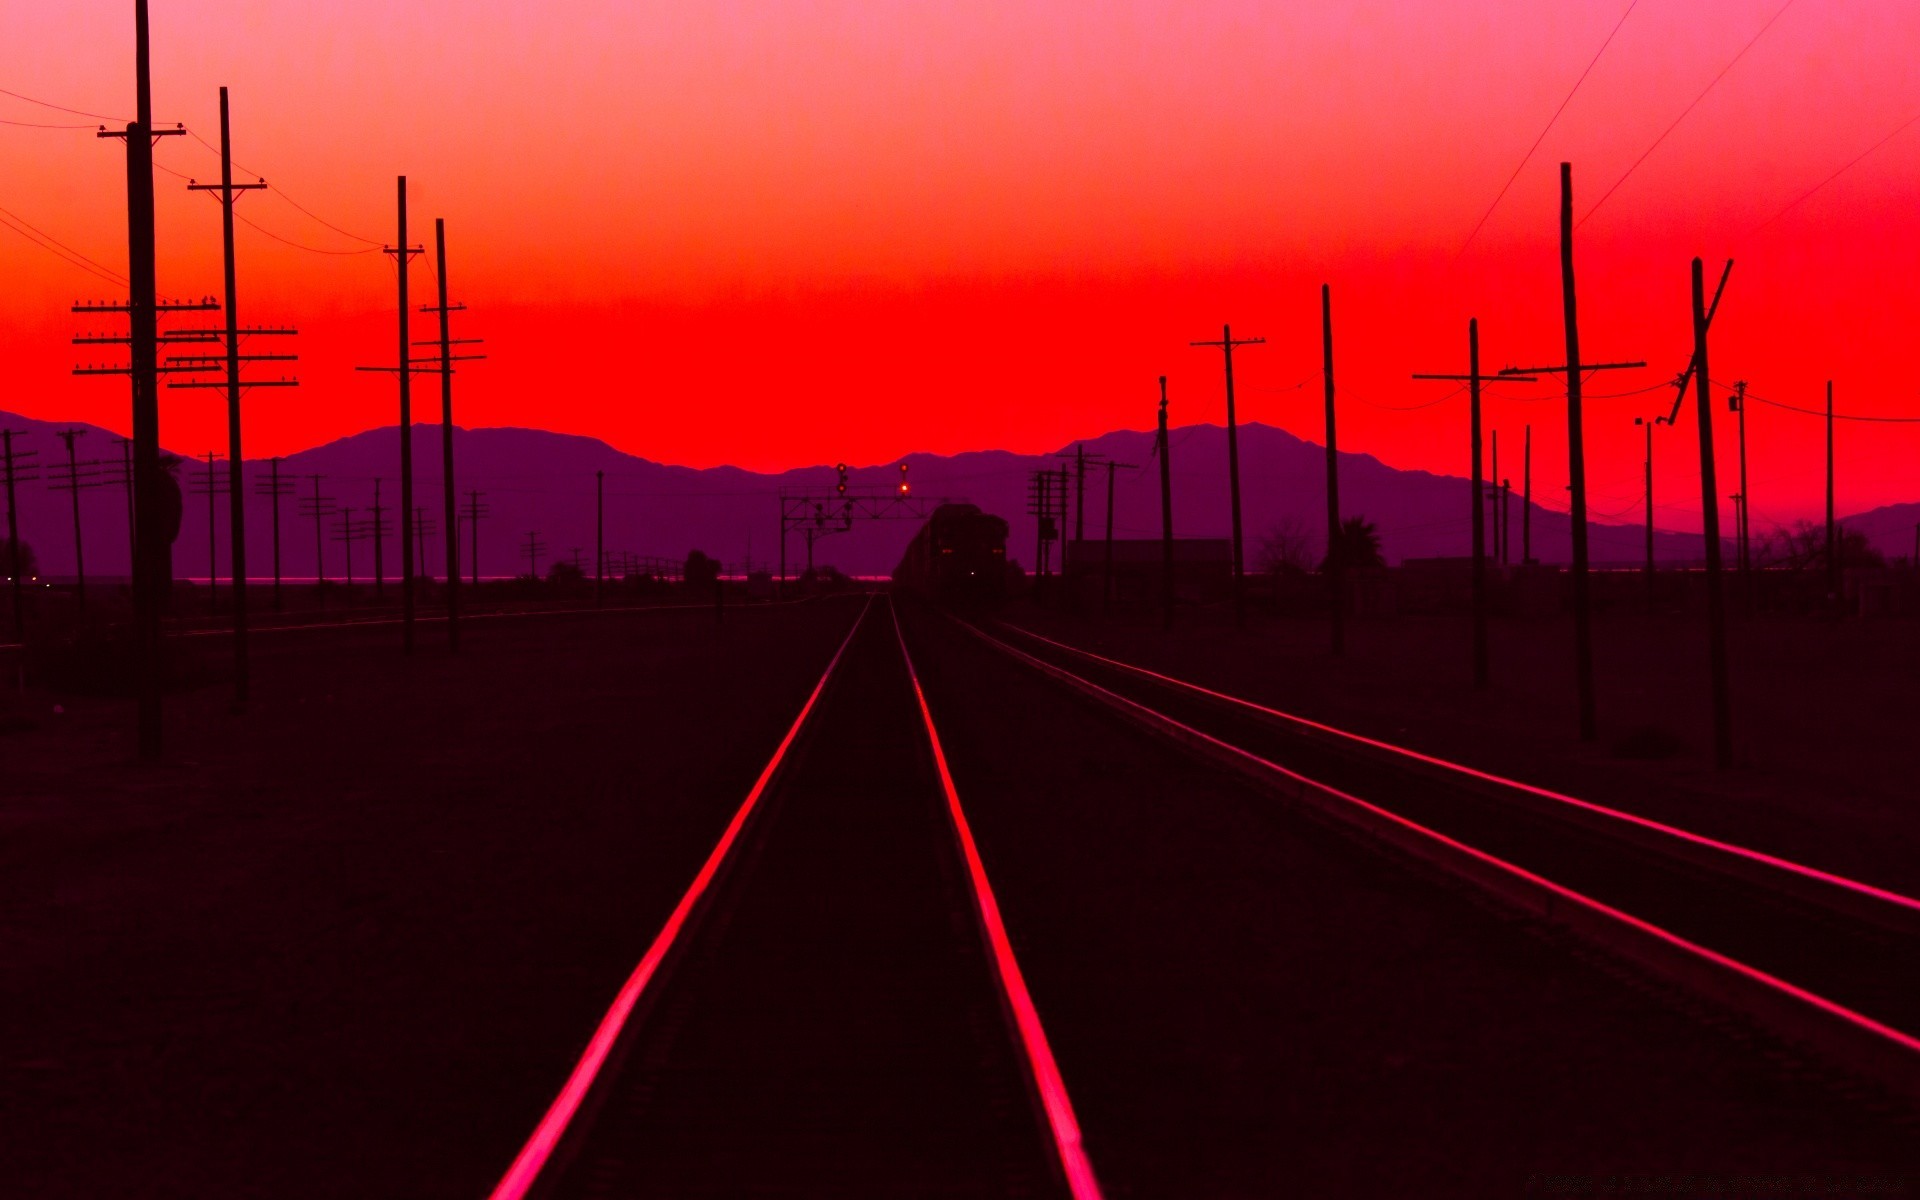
x: 533, y: 481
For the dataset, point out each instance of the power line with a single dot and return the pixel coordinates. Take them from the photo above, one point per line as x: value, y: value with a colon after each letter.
x: 1549, y: 126
x: 43, y: 125
x: 290, y: 200
x: 1855, y: 161
x: 1821, y: 412
x: 301, y: 245
x: 58, y: 248
x: 1689, y: 108
x: 78, y: 112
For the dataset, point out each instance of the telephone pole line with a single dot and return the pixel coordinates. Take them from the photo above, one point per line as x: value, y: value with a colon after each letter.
x: 1575, y: 370
x: 1832, y: 532
x: 210, y: 486
x: 1106, y: 582
x: 600, y: 538
x: 73, y: 486
x: 1166, y: 514
x: 379, y: 544
x: 1226, y: 343
x: 1738, y: 402
x: 1649, y: 423
x: 1474, y: 380
x: 319, y: 508
x: 274, y: 487
x: 1526, y: 503
x: 1336, y: 567
x: 17, y: 468
x: 403, y: 254
x: 534, y: 547
x: 450, y: 493
x: 228, y: 193
x: 1710, y: 514
x: 475, y: 510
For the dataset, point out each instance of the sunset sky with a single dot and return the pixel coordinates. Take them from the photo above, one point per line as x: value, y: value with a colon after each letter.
x: 785, y: 233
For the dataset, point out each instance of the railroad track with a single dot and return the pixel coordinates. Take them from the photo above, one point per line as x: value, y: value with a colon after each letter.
x: 834, y: 1006
x: 1827, y: 963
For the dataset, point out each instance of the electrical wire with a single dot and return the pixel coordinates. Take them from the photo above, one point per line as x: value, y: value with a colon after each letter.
x: 78, y: 112
x: 1855, y: 161
x: 1715, y: 82
x: 1821, y: 412
x: 300, y: 245
x: 1549, y: 126
x: 276, y: 191
x: 58, y: 248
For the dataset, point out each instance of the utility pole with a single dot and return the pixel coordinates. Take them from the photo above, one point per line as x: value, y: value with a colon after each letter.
x: 1079, y: 505
x: 319, y: 508
x: 126, y: 484
x: 1336, y: 566
x: 1506, y: 522
x: 1575, y: 371
x: 1042, y: 514
x: 211, y: 488
x: 475, y: 510
x: 1832, y: 532
x: 346, y: 536
x: 1738, y: 402
x: 1474, y: 379
x: 1166, y: 515
x: 73, y: 486
x: 1106, y: 583
x: 403, y: 255
x: 228, y: 192
x: 1526, y: 503
x: 420, y: 532
x: 379, y: 537
x: 17, y: 468
x: 1493, y: 494
x: 599, y: 538
x: 1226, y: 344
x: 150, y: 567
x: 533, y: 555
x: 451, y: 497
x: 1649, y: 423
x: 274, y: 487
x: 1710, y: 514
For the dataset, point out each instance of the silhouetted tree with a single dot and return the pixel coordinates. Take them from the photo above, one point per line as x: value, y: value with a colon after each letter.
x: 29, y: 565
x: 701, y: 571
x: 1358, y: 546
x: 1287, y: 548
x: 564, y: 572
x: 1804, y: 548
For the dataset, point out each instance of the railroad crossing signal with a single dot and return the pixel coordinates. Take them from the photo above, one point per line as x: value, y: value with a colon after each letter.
x: 841, y: 487
x: 904, y: 487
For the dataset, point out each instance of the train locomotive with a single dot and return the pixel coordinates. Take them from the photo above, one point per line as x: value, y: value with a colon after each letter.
x: 958, y: 558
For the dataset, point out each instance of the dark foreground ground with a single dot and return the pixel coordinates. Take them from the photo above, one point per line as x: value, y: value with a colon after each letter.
x: 351, y: 944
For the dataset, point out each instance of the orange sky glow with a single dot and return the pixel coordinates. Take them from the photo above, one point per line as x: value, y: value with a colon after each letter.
x: 783, y: 233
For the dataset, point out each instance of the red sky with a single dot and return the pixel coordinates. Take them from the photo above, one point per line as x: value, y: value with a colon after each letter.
x: 784, y: 233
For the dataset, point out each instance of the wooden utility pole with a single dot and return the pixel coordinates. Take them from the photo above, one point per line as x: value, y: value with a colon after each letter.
x: 1336, y: 565
x: 16, y: 468
x: 1226, y: 344
x: 1738, y: 402
x: 1526, y: 502
x: 1106, y: 583
x: 1493, y: 494
x: 444, y: 360
x: 1506, y: 522
x: 403, y: 254
x: 1079, y: 515
x: 319, y: 508
x: 1576, y: 371
x: 228, y: 193
x: 599, y: 538
x: 1474, y: 379
x: 475, y: 510
x: 1832, y: 530
x: 1166, y: 515
x: 274, y: 487
x: 379, y: 544
x: 211, y: 489
x: 80, y: 552
x: 1710, y: 513
x: 1649, y: 423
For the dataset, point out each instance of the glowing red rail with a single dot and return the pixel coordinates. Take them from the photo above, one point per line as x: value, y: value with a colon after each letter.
x: 1046, y: 1072
x: 539, y: 1148
x: 1757, y: 856
x: 1414, y: 834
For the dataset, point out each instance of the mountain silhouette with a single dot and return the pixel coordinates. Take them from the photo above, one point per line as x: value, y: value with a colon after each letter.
x: 532, y: 480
